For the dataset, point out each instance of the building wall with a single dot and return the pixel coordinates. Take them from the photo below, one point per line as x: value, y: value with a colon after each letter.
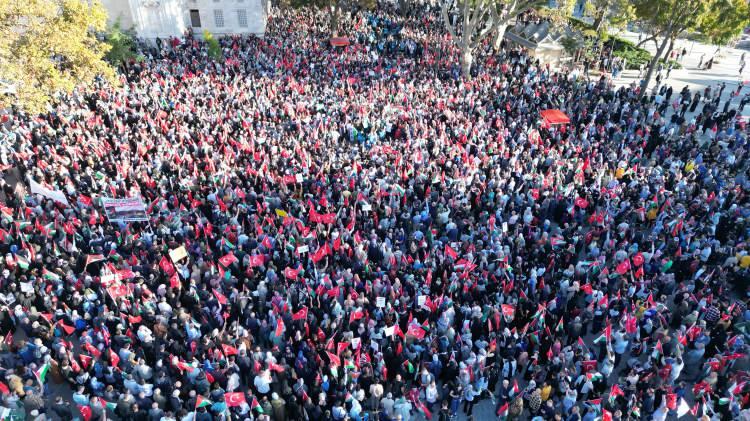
x: 221, y: 17
x: 171, y: 18
x: 158, y: 18
x: 119, y: 9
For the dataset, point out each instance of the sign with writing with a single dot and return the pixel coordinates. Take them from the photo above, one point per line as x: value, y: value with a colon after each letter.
x: 178, y: 254
x: 124, y: 210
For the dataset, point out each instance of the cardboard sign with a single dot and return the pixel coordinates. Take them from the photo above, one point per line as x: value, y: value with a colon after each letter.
x: 380, y: 302
x: 366, y: 207
x: 299, y: 178
x: 303, y: 249
x: 389, y: 330
x: 421, y: 299
x: 178, y: 254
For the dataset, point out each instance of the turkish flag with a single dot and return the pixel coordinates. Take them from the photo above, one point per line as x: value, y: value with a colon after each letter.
x: 508, y: 310
x: 638, y: 259
x: 300, y: 315
x: 291, y: 273
x: 85, y: 412
x: 333, y: 359
x: 279, y: 327
x: 91, y: 349
x: 333, y: 292
x: 416, y: 331
x: 174, y: 281
x: 319, y: 254
x: 220, y: 297
x: 228, y: 350
x: 114, y: 359
x: 234, y: 399
x: 85, y: 360
x: 450, y: 252
x: 256, y: 260
x: 623, y: 267
x: 356, y: 315
x: 118, y: 291
x: 588, y: 365
x: 166, y: 266
x: 228, y: 260
x: 68, y: 329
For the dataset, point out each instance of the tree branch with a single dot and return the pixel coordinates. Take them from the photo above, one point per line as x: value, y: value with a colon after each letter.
x: 447, y: 21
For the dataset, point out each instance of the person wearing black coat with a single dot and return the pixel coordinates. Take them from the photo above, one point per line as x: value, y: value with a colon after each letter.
x: 62, y: 409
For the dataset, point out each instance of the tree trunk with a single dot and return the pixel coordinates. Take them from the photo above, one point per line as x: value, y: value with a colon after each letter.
x: 335, y: 20
x: 402, y: 7
x: 499, y: 35
x: 652, y: 66
x: 467, y: 58
x: 598, y: 21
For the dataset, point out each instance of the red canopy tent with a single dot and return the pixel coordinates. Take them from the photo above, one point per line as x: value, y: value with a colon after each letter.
x: 339, y: 41
x: 553, y: 117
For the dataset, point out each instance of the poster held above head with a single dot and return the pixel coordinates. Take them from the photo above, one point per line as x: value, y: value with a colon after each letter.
x: 56, y: 195
x: 125, y: 210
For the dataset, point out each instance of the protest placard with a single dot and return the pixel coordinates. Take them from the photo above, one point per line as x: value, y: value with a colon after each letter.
x: 56, y: 195
x: 124, y: 210
x: 178, y: 254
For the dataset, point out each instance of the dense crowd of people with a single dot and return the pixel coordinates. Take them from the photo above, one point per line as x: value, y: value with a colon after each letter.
x: 369, y: 235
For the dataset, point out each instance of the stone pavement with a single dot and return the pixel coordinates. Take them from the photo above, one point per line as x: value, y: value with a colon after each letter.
x: 725, y: 69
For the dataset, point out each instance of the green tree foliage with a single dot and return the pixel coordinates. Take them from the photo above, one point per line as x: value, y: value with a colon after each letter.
x: 121, y: 44
x: 608, y: 14
x: 49, y: 47
x: 666, y: 19
x: 724, y: 20
x: 214, y: 49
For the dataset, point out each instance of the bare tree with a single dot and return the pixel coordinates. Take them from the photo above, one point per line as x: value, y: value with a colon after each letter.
x: 470, y: 21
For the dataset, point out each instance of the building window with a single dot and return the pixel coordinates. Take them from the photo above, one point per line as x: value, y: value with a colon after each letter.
x: 219, y: 18
x: 242, y: 18
x: 195, y: 18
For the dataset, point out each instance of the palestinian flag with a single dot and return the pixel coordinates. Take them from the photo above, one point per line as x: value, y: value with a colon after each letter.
x: 41, y: 374
x: 202, y: 402
x: 22, y: 262
x: 226, y: 243
x: 594, y: 376
x: 108, y: 405
x: 50, y: 276
x: 93, y: 258
x: 256, y: 406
